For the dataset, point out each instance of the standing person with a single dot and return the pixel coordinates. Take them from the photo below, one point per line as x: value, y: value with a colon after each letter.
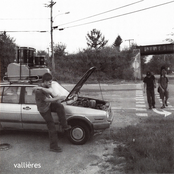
x: 149, y: 85
x: 46, y: 105
x: 163, y: 87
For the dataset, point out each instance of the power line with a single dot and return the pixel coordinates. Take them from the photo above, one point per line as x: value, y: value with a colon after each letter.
x: 119, y: 15
x: 51, y: 4
x: 24, y: 18
x: 101, y: 13
x: 100, y: 19
x: 26, y: 31
x: 72, y: 21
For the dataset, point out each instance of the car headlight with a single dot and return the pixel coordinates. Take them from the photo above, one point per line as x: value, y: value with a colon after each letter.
x: 107, y: 114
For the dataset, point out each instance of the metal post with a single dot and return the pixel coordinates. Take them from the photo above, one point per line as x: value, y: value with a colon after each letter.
x: 51, y: 32
x: 129, y: 41
x: 52, y: 47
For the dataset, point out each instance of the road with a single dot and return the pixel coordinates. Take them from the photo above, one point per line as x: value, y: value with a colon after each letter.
x: 129, y: 104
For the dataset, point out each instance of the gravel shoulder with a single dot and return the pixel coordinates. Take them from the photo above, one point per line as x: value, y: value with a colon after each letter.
x: 102, y: 149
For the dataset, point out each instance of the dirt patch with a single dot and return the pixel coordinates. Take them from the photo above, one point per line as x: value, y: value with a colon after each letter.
x: 101, y: 160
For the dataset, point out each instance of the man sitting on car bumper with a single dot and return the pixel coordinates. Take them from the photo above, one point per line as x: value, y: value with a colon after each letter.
x: 46, y: 104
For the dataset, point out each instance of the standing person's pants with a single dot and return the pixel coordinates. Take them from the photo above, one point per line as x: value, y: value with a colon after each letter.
x: 150, y: 97
x: 59, y: 109
x: 164, y: 94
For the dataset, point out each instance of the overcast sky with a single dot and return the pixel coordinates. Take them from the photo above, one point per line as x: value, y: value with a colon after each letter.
x: 151, y: 24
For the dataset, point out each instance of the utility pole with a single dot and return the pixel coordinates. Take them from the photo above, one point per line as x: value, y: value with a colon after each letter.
x: 129, y: 41
x: 51, y: 32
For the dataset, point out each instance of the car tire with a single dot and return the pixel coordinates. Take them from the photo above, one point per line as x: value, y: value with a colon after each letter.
x: 79, y: 133
x: 1, y: 129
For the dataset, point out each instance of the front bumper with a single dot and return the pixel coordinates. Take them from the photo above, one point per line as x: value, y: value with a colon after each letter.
x: 99, y: 126
x: 104, y: 125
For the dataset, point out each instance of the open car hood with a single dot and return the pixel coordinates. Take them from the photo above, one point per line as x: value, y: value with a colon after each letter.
x: 79, y: 85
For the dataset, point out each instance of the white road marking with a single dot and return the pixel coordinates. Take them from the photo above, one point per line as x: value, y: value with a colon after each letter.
x: 140, y: 102
x: 163, y: 112
x: 139, y: 99
x: 140, y: 105
x: 141, y: 109
x: 142, y: 114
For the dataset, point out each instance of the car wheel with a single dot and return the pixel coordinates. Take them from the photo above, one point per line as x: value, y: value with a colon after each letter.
x: 1, y: 130
x: 79, y: 133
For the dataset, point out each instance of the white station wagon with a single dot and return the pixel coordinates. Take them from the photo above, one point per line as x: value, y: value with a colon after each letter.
x: 18, y: 110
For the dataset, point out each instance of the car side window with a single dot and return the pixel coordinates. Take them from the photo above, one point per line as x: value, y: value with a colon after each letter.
x: 11, y: 94
x: 1, y: 89
x: 29, y: 95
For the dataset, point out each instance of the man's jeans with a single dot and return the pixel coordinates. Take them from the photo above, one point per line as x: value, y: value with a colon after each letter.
x: 150, y: 97
x: 59, y: 109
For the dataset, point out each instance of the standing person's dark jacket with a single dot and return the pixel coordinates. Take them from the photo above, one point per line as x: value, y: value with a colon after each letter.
x: 149, y: 85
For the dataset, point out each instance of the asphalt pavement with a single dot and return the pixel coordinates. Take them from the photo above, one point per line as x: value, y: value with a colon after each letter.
x: 29, y: 152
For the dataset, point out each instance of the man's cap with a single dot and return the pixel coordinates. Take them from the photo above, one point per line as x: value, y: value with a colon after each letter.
x: 148, y: 73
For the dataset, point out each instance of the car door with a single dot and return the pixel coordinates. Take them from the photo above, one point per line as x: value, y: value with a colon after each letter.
x: 31, y: 118
x: 10, y: 107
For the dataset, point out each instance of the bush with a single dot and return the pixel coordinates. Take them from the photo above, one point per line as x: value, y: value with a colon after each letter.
x: 110, y: 65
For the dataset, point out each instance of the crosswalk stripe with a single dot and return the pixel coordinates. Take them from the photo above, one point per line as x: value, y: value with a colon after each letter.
x: 140, y: 105
x: 141, y: 109
x: 142, y: 114
x: 139, y: 98
x: 140, y: 102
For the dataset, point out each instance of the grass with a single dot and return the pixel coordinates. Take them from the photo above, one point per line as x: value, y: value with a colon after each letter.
x: 146, y: 147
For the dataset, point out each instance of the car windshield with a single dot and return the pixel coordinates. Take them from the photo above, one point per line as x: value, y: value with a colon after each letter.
x: 58, y: 89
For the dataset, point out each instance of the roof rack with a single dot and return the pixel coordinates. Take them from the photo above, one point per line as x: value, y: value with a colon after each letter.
x: 15, y: 79
x: 17, y: 73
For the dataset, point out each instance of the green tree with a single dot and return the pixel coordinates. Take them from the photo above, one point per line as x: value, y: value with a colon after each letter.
x: 95, y: 39
x: 42, y: 52
x: 59, y: 54
x: 46, y: 56
x: 59, y: 50
x: 171, y: 38
x: 7, y: 52
x: 118, y: 42
x: 158, y: 61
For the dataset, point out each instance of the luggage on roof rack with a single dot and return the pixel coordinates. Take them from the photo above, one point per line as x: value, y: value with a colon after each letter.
x: 27, y: 67
x: 17, y: 72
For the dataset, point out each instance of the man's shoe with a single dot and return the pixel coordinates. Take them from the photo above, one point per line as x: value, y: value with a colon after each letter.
x: 153, y: 106
x: 56, y: 150
x: 162, y: 107
x: 66, y: 127
x: 166, y: 104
